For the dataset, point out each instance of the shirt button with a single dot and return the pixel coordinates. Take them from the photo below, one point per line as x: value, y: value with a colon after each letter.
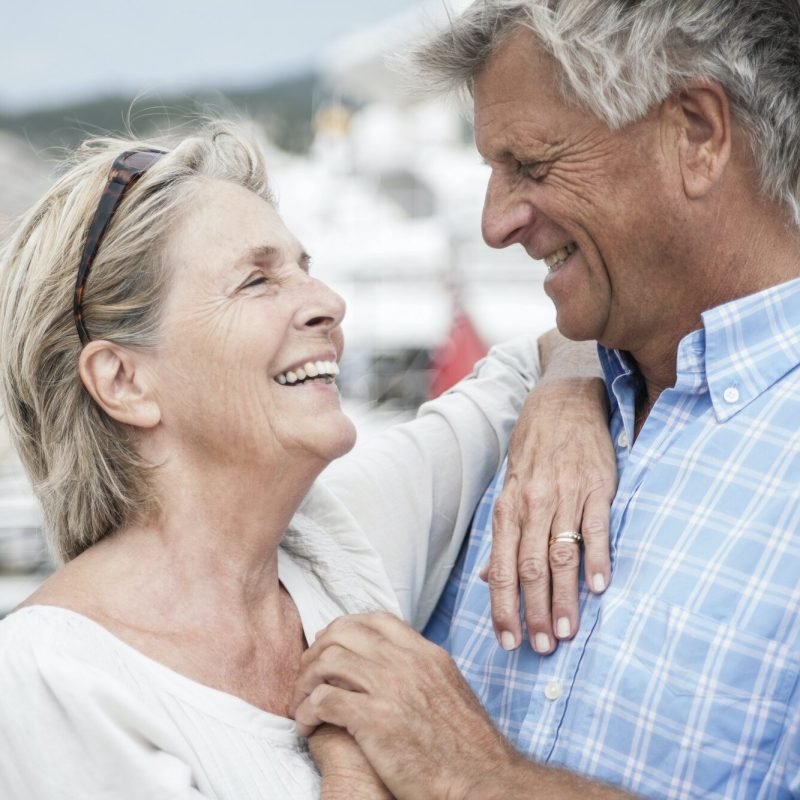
x: 731, y: 395
x: 553, y: 690
x: 622, y: 439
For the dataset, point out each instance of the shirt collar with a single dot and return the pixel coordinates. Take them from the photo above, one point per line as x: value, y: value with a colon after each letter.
x: 745, y: 347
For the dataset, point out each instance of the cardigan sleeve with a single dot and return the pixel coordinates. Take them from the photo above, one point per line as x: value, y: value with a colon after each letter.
x: 413, y: 488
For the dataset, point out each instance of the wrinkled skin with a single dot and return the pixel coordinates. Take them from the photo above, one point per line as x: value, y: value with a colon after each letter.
x: 561, y: 476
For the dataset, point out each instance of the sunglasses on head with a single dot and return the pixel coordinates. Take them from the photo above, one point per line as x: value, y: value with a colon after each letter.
x: 127, y: 168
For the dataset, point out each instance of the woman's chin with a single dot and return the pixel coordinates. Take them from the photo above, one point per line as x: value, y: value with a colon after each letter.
x: 347, y: 438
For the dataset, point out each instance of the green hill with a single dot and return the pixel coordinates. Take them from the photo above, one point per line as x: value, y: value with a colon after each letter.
x: 285, y: 108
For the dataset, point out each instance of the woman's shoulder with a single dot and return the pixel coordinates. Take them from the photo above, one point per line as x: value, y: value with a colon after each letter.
x: 41, y: 637
x: 328, y: 540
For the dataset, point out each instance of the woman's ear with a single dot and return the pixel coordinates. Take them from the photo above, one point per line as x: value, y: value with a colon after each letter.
x: 118, y: 381
x: 703, y: 116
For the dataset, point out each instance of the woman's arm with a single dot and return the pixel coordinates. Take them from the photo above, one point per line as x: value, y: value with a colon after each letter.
x: 346, y: 773
x: 412, y: 489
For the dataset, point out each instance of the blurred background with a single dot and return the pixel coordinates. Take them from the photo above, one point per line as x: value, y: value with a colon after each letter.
x: 384, y: 188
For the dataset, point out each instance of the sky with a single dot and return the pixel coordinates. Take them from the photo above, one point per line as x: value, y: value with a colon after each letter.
x: 54, y: 52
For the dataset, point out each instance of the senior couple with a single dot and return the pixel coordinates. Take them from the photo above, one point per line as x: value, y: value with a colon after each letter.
x: 650, y: 153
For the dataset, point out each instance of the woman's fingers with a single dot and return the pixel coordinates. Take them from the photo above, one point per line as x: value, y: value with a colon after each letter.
x: 535, y: 576
x: 561, y: 476
x: 595, y: 529
x: 501, y: 572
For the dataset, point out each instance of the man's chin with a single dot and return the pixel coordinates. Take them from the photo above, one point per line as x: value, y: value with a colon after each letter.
x: 576, y: 331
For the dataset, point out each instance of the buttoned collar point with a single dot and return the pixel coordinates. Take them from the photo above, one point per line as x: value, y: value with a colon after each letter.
x: 751, y: 343
x: 744, y: 347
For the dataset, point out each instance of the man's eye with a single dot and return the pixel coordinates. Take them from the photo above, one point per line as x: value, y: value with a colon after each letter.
x: 535, y: 170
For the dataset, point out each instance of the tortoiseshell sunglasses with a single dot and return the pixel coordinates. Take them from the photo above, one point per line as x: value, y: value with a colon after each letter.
x: 125, y: 171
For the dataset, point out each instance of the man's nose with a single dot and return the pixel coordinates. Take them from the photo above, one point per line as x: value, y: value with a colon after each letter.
x: 505, y: 216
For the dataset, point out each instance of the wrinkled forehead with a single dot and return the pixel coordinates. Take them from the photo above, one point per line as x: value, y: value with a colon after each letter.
x: 517, y: 99
x: 222, y: 224
x: 519, y: 64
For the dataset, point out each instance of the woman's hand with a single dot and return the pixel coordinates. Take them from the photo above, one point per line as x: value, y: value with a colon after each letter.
x: 346, y: 773
x: 561, y: 477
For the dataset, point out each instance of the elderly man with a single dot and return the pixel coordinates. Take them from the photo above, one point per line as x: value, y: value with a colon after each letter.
x: 649, y: 152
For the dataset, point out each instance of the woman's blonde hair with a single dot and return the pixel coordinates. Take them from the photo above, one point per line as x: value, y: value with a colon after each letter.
x: 84, y: 466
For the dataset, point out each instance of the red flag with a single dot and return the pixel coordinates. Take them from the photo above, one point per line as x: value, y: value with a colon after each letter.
x: 455, y: 358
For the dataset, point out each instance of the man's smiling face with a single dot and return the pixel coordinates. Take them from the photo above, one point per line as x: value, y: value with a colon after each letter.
x: 601, y: 207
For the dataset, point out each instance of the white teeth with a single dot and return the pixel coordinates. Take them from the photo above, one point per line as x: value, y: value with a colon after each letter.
x: 311, y: 369
x: 555, y: 259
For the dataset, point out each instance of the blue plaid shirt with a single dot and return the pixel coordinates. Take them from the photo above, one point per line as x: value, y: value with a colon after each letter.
x: 683, y: 678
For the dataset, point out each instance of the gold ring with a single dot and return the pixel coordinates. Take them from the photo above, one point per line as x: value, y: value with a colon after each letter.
x: 566, y: 536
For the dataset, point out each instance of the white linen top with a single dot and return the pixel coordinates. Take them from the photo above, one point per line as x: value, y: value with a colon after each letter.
x: 85, y: 715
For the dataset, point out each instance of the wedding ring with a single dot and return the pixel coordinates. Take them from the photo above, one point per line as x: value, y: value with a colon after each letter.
x: 566, y: 536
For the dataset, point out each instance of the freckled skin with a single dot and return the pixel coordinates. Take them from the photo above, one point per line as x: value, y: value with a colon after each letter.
x: 220, y: 333
x: 616, y: 194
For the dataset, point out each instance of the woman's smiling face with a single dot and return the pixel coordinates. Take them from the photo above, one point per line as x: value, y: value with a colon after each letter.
x: 242, y: 312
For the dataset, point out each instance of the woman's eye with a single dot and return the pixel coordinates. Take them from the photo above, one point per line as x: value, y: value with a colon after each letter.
x: 257, y: 281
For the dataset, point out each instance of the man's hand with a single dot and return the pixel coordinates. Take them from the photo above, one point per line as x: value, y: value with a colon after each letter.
x: 561, y: 476
x: 405, y: 703
x: 346, y: 773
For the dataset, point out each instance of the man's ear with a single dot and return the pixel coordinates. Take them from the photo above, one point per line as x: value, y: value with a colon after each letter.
x: 703, y: 116
x: 118, y: 381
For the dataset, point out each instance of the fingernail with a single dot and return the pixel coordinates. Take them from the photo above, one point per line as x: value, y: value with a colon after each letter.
x: 598, y: 582
x: 562, y: 628
x: 507, y: 640
x: 541, y: 643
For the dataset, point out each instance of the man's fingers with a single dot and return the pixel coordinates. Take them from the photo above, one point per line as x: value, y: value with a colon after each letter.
x: 597, y: 559
x: 337, y: 666
x: 330, y: 704
x: 363, y: 634
x: 502, y: 572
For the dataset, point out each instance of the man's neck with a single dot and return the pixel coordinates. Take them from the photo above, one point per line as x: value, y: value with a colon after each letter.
x: 741, y: 261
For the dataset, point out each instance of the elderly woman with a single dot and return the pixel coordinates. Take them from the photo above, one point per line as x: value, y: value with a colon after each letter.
x: 168, y: 377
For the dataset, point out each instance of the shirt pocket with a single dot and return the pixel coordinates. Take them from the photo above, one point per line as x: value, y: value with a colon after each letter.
x: 700, y: 702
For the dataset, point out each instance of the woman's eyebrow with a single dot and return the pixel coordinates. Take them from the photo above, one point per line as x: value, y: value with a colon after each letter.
x: 259, y: 254
x: 269, y: 254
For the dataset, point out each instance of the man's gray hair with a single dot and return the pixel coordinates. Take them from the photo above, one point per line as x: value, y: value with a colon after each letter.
x: 84, y: 466
x: 619, y: 58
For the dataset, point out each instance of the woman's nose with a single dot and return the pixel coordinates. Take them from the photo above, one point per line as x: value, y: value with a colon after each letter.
x: 324, y: 309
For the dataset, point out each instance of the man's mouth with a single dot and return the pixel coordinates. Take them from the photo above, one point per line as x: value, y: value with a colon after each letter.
x: 558, y: 257
x: 310, y: 372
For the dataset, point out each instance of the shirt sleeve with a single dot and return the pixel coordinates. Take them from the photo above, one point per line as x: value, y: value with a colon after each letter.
x: 71, y: 731
x: 414, y: 488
